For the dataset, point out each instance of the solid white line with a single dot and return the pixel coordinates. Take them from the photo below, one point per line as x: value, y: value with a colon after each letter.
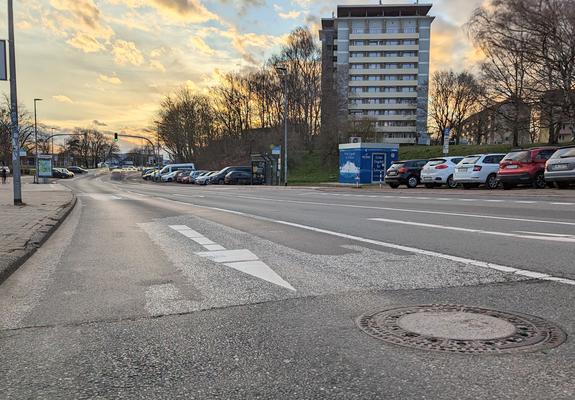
x: 462, y: 260
x: 455, y: 228
x: 547, y: 234
x: 539, y: 221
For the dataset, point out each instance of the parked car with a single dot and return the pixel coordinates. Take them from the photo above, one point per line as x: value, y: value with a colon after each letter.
x: 77, y: 170
x: 242, y: 178
x: 169, y: 177
x: 6, y: 168
x: 168, y: 169
x: 205, y: 178
x: 181, y: 174
x: 61, y: 173
x: 525, y: 167
x: 149, y: 174
x: 405, y: 173
x: 220, y: 176
x: 478, y: 169
x: 439, y: 171
x: 560, y: 168
x: 195, y: 174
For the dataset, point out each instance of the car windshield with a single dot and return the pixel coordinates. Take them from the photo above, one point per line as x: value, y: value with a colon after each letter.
x: 564, y: 153
x: 470, y: 160
x: 521, y: 156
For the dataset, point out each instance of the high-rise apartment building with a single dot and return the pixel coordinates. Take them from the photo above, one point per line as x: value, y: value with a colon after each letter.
x: 375, y: 71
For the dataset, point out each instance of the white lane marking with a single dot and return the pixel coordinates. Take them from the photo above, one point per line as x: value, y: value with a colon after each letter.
x: 539, y: 221
x: 455, y: 228
x: 214, y: 247
x: 563, y: 204
x: 260, y: 270
x: 547, y: 234
x: 101, y: 196
x: 188, y: 195
x: 227, y: 256
x: 190, y: 233
x: 180, y: 228
x: 526, y: 202
x: 415, y: 250
x: 467, y: 199
x: 495, y: 201
x: 204, y: 241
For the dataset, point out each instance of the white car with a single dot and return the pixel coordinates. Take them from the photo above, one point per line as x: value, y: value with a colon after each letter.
x: 439, y: 171
x: 169, y: 177
x: 478, y: 169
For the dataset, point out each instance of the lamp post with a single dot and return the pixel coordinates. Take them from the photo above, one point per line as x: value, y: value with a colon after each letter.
x: 16, y: 173
x: 282, y: 72
x: 36, y: 141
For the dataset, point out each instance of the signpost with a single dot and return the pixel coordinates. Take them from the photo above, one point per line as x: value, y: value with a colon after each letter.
x: 446, y: 134
x: 3, y: 65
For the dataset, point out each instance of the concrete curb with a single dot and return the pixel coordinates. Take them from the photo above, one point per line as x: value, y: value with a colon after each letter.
x: 37, y: 242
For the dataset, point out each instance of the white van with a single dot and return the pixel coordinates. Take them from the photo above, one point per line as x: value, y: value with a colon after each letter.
x: 168, y: 169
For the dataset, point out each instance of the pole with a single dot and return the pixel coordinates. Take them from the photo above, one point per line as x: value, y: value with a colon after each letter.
x: 36, y: 180
x: 286, y: 130
x: 16, y: 172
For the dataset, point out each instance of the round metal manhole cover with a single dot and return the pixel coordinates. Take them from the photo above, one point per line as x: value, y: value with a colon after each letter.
x: 462, y: 329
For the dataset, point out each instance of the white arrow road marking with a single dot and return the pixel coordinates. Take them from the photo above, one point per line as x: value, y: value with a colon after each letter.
x: 260, y: 270
x: 455, y: 228
x: 229, y: 255
x: 241, y: 260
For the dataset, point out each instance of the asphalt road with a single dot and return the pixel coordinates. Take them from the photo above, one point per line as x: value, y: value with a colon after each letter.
x: 128, y: 300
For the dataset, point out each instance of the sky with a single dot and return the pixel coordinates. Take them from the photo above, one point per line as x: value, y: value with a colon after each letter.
x: 107, y: 64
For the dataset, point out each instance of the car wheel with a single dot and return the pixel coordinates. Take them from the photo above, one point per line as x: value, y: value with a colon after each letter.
x: 221, y: 182
x: 492, y: 182
x: 539, y: 181
x: 393, y: 185
x: 562, y: 185
x: 429, y: 185
x: 508, y: 186
x: 412, y: 182
x: 451, y: 182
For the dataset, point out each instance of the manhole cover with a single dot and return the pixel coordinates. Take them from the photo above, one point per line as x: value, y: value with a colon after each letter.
x: 462, y: 329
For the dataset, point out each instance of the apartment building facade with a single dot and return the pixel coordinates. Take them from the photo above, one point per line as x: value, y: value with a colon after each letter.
x: 375, y: 68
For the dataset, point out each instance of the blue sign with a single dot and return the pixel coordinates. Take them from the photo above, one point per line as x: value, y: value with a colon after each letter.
x: 277, y: 150
x: 378, y: 167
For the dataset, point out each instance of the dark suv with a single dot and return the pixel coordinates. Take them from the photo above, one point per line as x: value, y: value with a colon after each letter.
x: 525, y: 167
x: 405, y: 173
x: 220, y: 177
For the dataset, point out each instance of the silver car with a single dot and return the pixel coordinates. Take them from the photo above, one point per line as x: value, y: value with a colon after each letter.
x: 560, y: 168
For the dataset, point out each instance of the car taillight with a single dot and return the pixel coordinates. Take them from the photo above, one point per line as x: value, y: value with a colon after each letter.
x: 442, y: 166
x: 477, y: 168
x: 402, y: 170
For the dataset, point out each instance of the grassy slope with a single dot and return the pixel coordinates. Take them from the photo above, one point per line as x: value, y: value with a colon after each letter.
x: 311, y: 169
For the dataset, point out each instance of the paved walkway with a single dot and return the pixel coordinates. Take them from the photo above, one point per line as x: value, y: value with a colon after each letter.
x: 24, y: 228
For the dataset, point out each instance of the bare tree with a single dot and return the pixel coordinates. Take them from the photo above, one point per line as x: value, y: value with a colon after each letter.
x: 454, y: 97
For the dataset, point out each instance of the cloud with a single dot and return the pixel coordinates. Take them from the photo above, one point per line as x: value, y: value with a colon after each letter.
x: 127, y: 53
x: 99, y: 123
x: 62, y: 99
x: 244, y: 5
x: 114, y: 80
x: 199, y: 44
x: 87, y: 44
x: 157, y: 65
x: 290, y: 15
x: 80, y: 21
x: 191, y: 11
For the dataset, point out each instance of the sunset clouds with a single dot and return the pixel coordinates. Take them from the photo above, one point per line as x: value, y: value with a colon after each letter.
x: 113, y: 60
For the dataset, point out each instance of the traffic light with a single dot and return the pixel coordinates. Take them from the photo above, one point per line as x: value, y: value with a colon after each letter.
x: 115, y: 137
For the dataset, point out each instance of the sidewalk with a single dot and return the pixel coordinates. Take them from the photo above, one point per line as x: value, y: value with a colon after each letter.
x: 23, y: 229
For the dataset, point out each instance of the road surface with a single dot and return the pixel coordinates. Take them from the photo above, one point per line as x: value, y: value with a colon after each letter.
x: 177, y: 291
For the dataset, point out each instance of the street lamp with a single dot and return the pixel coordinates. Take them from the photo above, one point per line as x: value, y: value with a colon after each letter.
x: 36, y: 140
x: 282, y: 72
x: 16, y: 173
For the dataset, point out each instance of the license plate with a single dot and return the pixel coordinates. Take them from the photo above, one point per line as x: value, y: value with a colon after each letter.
x: 392, y: 173
x: 427, y: 178
x: 512, y: 167
x: 560, y: 167
x: 462, y: 169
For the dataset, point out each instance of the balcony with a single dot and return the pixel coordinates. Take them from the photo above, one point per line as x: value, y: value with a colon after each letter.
x: 374, y: 36
x: 385, y: 48
x: 368, y: 60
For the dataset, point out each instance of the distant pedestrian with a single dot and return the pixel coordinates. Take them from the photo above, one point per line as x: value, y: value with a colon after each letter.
x: 3, y: 173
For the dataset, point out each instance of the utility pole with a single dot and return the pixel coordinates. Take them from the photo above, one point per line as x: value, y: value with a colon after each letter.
x: 282, y: 72
x: 16, y: 172
x: 36, y: 180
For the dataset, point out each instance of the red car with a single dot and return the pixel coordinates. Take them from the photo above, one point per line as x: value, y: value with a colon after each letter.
x: 525, y: 167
